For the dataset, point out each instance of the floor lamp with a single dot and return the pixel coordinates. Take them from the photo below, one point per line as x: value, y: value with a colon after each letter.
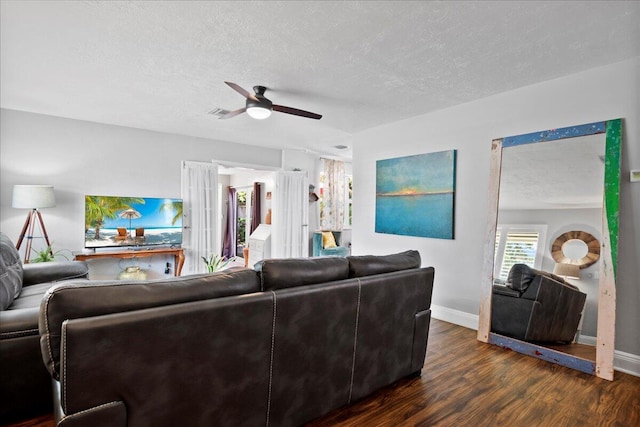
x: 32, y: 197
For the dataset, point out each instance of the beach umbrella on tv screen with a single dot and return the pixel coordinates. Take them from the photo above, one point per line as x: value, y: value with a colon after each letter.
x: 130, y: 213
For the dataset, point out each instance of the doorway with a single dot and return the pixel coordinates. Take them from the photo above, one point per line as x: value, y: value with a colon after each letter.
x: 238, y: 207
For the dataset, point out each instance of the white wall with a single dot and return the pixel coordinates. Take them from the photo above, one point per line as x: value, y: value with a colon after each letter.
x: 79, y: 158
x: 560, y: 221
x: 599, y: 94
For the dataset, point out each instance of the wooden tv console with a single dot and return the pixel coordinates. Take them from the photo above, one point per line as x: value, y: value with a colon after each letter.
x: 178, y: 254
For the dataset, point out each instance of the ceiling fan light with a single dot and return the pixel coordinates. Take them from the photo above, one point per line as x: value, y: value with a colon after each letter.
x: 259, y: 113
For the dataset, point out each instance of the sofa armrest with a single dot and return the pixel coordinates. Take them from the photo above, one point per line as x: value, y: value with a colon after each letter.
x: 420, y: 340
x: 342, y: 251
x: 506, y: 291
x: 43, y: 272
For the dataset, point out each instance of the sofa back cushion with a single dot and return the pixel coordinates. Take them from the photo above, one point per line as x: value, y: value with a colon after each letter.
x: 10, y: 272
x: 290, y: 272
x: 81, y: 299
x: 368, y: 265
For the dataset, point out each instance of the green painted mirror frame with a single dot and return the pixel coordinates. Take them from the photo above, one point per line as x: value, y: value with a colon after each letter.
x: 603, y: 365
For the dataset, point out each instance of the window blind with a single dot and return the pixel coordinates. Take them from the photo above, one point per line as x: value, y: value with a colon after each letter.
x: 520, y: 248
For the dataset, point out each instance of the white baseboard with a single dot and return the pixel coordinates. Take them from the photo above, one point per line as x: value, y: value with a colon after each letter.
x: 622, y: 362
x: 456, y: 317
x: 626, y: 362
x: 586, y: 339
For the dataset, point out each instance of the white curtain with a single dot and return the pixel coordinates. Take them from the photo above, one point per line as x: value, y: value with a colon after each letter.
x: 201, y: 216
x: 290, y: 215
x: 332, y: 215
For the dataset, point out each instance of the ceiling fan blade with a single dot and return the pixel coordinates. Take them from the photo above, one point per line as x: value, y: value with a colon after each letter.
x: 241, y: 91
x: 233, y: 113
x: 296, y: 112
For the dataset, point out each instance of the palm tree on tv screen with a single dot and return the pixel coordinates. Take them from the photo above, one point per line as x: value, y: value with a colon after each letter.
x: 173, y: 206
x: 100, y: 208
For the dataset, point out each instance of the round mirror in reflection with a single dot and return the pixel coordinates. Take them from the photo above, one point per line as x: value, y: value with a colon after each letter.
x: 576, y: 247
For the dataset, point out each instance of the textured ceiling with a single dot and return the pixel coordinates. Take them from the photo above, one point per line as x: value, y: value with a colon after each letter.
x: 161, y: 65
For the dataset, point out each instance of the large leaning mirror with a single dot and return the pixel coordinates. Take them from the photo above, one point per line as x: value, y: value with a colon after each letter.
x: 551, y: 245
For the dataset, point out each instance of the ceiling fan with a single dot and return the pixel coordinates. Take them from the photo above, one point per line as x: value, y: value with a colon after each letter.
x: 259, y: 107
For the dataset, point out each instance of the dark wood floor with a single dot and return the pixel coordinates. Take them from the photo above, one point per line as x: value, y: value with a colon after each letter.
x: 467, y: 383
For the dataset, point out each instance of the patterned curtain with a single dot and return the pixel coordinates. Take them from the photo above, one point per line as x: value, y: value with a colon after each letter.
x: 332, y: 215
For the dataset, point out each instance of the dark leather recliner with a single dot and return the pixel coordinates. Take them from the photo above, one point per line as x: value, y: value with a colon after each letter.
x: 25, y: 384
x: 536, y: 306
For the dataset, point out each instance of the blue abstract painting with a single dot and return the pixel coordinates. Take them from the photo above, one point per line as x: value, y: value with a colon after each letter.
x: 415, y: 195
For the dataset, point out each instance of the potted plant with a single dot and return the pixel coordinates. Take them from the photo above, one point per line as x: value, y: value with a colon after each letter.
x: 216, y: 262
x: 47, y: 254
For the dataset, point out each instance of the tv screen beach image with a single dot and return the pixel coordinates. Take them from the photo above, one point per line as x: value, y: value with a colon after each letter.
x: 112, y: 221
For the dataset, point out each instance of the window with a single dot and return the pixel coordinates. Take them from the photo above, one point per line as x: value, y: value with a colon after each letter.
x: 335, y: 194
x: 347, y: 220
x: 521, y: 244
x: 321, y: 198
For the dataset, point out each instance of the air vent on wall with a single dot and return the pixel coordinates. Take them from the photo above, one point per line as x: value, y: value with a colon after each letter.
x: 218, y: 112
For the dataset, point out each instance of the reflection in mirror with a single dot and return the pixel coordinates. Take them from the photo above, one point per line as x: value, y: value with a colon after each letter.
x: 545, y: 188
x: 574, y: 249
x: 567, y: 271
x: 576, y: 242
x: 550, y: 185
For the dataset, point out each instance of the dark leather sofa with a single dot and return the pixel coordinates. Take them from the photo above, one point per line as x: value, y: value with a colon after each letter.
x: 25, y: 384
x: 536, y: 305
x: 279, y: 346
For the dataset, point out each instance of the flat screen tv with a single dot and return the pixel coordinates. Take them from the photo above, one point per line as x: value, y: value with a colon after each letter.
x: 114, y: 221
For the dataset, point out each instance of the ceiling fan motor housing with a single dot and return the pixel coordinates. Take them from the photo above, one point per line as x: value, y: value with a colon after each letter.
x: 260, y: 103
x: 258, y: 106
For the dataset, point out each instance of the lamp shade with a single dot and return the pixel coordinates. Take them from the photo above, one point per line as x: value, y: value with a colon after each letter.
x: 570, y: 271
x: 33, y: 196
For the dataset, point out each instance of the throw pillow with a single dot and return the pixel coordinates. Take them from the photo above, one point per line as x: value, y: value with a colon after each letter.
x: 328, y: 241
x: 10, y: 272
